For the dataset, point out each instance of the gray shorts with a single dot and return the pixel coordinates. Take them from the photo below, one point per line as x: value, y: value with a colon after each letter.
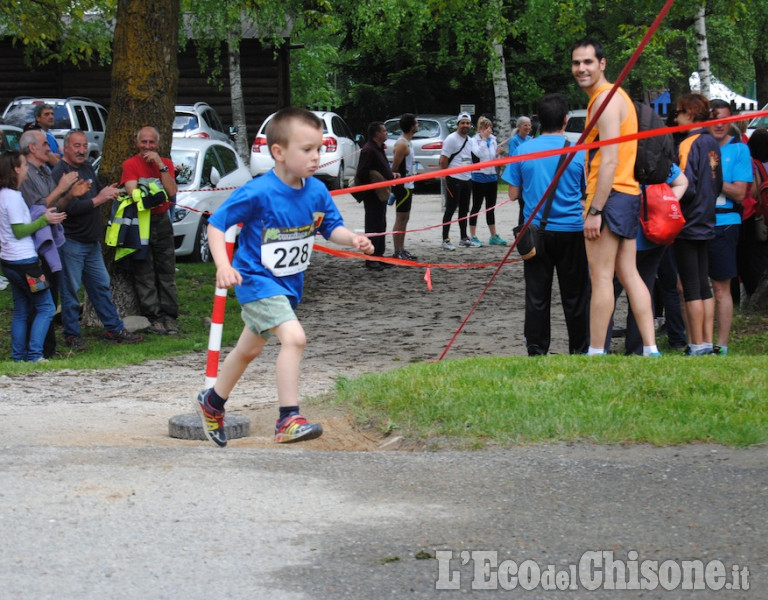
x: 621, y: 214
x: 262, y: 315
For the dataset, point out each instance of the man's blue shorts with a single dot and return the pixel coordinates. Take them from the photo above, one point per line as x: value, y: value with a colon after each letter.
x: 621, y: 214
x: 722, y: 253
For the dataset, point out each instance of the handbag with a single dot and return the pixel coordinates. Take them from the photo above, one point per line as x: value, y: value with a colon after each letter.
x: 661, y: 217
x: 32, y: 274
x: 526, y: 244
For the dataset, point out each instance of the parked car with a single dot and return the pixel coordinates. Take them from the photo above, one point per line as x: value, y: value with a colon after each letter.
x: 577, y: 120
x: 68, y: 113
x: 206, y: 173
x: 338, y: 162
x: 200, y: 120
x: 757, y: 122
x: 9, y: 137
x: 427, y: 142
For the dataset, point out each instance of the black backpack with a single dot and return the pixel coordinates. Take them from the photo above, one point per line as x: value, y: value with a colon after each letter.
x: 655, y: 155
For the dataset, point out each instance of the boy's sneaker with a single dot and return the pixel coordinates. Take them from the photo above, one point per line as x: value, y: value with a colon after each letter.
x: 497, y: 241
x: 465, y: 243
x: 447, y: 245
x: 123, y: 337
x: 212, y: 419
x: 719, y: 351
x: 295, y: 429
x: 476, y: 243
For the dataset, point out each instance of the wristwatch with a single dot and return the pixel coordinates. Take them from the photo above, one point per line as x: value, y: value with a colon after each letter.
x: 163, y: 169
x: 594, y: 211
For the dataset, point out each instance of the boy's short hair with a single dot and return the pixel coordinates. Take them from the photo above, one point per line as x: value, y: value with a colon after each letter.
x: 279, y: 128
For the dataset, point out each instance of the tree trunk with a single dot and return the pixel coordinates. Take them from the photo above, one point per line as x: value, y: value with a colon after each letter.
x: 236, y: 96
x: 702, y: 51
x: 145, y: 79
x: 501, y: 92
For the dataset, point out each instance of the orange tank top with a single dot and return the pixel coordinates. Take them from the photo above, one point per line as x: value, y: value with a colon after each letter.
x: 624, y: 179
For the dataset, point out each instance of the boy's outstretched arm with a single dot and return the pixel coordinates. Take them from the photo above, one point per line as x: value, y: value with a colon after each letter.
x: 226, y: 274
x: 345, y: 237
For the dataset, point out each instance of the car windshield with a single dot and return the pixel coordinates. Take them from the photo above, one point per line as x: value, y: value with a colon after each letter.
x: 184, y: 161
x: 427, y: 129
x: 24, y: 114
x: 185, y: 122
x: 576, y: 124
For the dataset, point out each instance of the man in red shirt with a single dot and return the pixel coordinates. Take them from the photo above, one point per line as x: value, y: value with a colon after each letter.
x: 155, y: 276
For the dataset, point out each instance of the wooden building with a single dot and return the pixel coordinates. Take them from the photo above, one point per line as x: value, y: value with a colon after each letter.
x: 266, y: 82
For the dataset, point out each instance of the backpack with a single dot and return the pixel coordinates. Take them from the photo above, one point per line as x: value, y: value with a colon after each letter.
x: 655, y: 155
x: 761, y: 206
x: 660, y: 214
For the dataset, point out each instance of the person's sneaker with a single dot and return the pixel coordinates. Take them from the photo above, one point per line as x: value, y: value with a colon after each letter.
x: 447, y: 245
x: 295, y: 429
x: 407, y: 255
x: 75, y: 342
x: 158, y: 327
x: 719, y: 351
x: 497, y: 241
x: 655, y: 354
x: 171, y: 327
x: 465, y: 243
x: 123, y: 337
x: 476, y: 243
x: 211, y: 418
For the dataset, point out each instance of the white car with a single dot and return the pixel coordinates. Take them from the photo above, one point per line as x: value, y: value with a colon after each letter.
x: 207, y: 172
x: 757, y: 122
x: 577, y: 120
x: 338, y: 162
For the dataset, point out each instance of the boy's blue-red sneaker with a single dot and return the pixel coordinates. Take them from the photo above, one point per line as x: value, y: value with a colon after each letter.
x: 212, y: 419
x: 296, y: 429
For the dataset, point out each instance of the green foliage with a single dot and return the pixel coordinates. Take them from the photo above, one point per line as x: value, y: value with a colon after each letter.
x: 61, y: 30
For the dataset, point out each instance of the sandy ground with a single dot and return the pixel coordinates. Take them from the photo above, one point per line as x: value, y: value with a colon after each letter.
x: 357, y: 321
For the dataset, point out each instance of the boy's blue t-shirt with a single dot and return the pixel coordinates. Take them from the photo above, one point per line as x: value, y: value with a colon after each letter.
x: 278, y: 229
x: 536, y: 175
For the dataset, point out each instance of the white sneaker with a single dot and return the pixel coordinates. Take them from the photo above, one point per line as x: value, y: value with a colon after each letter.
x: 465, y: 243
x: 447, y: 245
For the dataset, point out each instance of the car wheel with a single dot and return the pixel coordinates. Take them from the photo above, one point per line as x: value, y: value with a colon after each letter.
x: 337, y: 183
x: 202, y: 251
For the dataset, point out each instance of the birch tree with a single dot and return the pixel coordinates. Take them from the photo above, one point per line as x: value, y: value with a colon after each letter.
x: 702, y: 51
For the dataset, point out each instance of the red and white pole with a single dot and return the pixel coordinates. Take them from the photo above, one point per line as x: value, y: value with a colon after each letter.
x: 217, y: 317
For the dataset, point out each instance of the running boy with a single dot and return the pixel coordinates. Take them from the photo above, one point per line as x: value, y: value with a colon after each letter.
x: 280, y: 212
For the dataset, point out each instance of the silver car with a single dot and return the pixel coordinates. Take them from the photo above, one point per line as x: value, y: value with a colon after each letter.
x: 427, y: 142
x: 68, y: 113
x: 200, y: 120
x: 207, y: 172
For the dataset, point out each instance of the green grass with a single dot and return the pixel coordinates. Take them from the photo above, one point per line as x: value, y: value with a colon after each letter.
x: 516, y: 400
x: 473, y: 403
x: 196, y: 286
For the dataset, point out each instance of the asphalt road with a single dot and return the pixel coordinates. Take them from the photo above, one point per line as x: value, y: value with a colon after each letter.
x: 289, y: 523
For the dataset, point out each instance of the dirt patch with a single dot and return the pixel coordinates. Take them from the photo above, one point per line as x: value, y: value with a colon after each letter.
x: 357, y: 321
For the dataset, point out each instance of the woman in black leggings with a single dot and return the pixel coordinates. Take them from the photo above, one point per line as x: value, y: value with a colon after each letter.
x: 699, y: 156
